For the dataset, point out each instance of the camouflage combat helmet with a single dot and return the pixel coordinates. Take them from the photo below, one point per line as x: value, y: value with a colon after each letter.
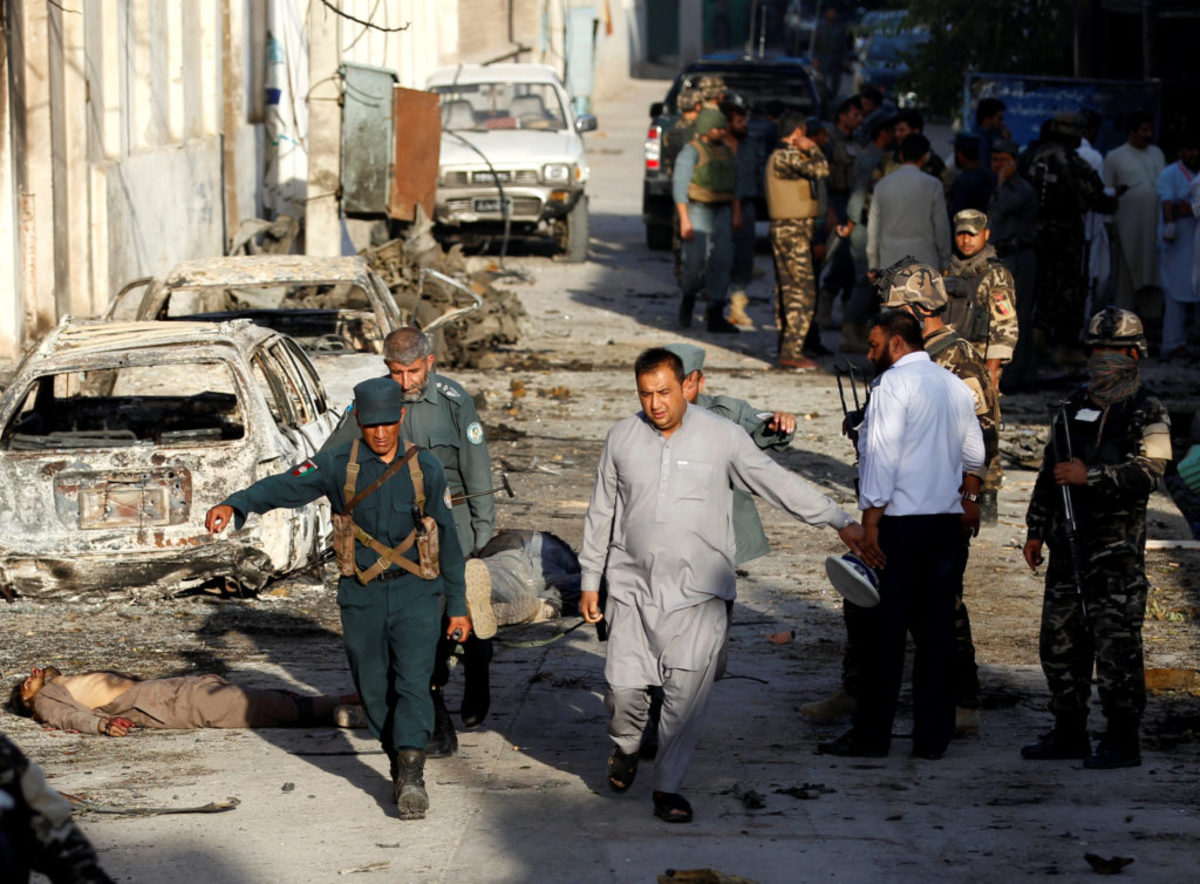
x: 909, y: 282
x: 711, y: 86
x: 1114, y: 327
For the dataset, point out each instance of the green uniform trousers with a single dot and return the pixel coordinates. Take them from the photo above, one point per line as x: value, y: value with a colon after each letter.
x: 391, y: 629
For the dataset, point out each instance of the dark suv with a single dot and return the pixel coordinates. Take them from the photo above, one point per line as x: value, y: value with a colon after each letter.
x: 757, y: 80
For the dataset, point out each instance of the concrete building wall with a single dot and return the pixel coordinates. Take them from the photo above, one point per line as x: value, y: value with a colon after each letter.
x: 126, y: 147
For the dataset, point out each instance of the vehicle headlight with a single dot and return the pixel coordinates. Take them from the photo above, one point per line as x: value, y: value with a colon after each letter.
x: 556, y: 173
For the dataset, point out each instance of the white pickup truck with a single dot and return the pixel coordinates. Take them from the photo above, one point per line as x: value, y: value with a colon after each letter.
x: 512, y: 159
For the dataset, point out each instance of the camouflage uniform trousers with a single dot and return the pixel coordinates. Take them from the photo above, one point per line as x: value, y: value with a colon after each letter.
x: 1115, y: 588
x: 795, y: 285
x: 1061, y: 287
x: 36, y: 829
x: 966, y: 672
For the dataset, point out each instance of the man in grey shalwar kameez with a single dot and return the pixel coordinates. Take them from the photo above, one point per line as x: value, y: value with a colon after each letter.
x: 659, y: 527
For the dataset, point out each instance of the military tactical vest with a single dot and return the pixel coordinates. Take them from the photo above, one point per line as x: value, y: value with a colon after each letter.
x: 715, y: 175
x: 788, y: 197
x: 346, y: 531
x: 967, y: 312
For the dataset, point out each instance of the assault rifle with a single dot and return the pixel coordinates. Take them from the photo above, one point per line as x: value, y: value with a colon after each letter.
x: 1070, y: 526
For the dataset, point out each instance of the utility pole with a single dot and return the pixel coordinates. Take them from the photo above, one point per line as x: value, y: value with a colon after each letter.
x: 322, y: 217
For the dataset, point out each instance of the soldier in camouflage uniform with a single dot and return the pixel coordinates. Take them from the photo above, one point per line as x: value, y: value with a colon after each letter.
x: 37, y: 833
x: 919, y: 289
x: 983, y: 311
x: 1120, y: 442
x: 792, y: 171
x: 712, y: 90
x: 1067, y: 187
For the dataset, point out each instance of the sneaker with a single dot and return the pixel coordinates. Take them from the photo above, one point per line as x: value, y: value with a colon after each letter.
x: 345, y: 715
x: 835, y: 707
x: 479, y: 599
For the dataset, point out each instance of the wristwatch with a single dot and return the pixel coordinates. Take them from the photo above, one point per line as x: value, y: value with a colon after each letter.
x: 974, y: 498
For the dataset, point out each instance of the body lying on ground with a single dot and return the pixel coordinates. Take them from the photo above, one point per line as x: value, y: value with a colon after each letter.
x: 112, y: 703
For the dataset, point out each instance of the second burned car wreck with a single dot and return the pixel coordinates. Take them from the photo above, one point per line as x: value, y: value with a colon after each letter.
x: 116, y: 437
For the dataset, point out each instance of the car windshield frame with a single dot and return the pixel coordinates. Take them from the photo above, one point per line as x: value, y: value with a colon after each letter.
x: 492, y: 112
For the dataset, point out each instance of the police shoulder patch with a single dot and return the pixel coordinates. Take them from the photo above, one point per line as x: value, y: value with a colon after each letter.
x: 475, y: 432
x: 307, y: 467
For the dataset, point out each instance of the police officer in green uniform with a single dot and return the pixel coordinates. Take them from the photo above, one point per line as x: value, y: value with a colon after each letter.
x: 391, y: 617
x: 1120, y: 444
x: 768, y: 429
x: 441, y: 418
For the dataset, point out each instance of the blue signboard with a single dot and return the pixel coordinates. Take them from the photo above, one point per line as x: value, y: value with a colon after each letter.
x: 1030, y: 100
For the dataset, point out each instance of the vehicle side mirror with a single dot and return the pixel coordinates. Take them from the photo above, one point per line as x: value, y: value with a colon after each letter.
x: 585, y: 123
x: 656, y: 109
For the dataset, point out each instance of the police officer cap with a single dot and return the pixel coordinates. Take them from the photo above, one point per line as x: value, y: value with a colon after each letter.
x: 1006, y: 145
x: 911, y: 282
x: 690, y: 355
x: 1114, y: 327
x: 378, y: 401
x: 970, y: 221
x: 710, y: 118
x: 966, y: 143
x: 813, y: 125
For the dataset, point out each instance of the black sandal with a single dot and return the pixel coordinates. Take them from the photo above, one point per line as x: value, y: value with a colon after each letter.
x: 672, y: 807
x: 622, y: 769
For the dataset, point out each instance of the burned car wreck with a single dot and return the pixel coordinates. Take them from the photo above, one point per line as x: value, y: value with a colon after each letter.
x: 328, y: 305
x: 115, y: 439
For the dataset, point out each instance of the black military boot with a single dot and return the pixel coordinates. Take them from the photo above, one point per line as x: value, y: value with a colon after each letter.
x: 989, y: 510
x: 445, y: 738
x: 1119, y: 746
x: 1068, y: 740
x: 408, y: 785
x: 477, y: 685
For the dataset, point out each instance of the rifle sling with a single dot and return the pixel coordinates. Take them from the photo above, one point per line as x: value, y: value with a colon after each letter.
x: 395, y: 467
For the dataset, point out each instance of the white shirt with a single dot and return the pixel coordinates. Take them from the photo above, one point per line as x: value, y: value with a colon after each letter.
x: 919, y: 436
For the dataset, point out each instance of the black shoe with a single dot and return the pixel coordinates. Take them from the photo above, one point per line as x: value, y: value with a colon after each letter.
x: 719, y: 325
x: 1059, y: 745
x: 815, y: 351
x: 687, y: 306
x: 988, y: 509
x: 477, y: 686
x: 445, y: 738
x: 849, y: 746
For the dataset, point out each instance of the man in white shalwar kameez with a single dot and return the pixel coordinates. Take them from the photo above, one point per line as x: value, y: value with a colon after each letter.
x: 1132, y: 171
x: 1095, y: 233
x: 1177, y: 244
x: 659, y: 527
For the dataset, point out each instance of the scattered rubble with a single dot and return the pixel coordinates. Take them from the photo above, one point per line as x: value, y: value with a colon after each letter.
x: 476, y: 341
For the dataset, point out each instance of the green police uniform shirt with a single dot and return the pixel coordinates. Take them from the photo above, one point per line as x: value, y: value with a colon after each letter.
x: 748, y: 531
x: 444, y: 422
x: 385, y: 514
